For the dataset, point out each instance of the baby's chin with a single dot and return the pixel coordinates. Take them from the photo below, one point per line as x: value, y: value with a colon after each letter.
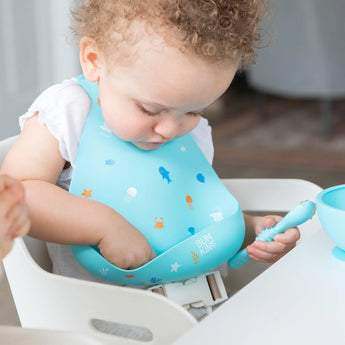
x: 147, y: 146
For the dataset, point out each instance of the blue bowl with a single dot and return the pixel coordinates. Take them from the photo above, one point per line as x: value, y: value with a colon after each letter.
x: 330, y: 205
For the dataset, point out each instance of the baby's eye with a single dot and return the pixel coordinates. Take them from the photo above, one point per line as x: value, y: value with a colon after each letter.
x: 198, y: 113
x: 145, y: 111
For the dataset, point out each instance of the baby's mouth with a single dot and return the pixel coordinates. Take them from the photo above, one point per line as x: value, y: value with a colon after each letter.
x: 156, y: 142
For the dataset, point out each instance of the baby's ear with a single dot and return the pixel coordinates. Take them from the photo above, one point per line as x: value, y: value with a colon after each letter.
x: 90, y: 58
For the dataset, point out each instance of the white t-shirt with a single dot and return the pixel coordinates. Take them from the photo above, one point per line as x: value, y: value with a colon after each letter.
x: 63, y: 108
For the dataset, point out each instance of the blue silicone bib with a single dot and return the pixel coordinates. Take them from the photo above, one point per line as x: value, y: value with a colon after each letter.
x: 172, y: 195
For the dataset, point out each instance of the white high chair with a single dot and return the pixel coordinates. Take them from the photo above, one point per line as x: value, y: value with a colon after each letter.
x: 47, y: 301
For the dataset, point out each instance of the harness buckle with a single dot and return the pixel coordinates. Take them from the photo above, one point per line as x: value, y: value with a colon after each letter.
x: 206, y: 291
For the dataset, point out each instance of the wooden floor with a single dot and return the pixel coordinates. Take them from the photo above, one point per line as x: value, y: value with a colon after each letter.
x: 282, y: 138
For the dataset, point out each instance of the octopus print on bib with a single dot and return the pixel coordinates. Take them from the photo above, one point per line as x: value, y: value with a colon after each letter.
x: 172, y: 195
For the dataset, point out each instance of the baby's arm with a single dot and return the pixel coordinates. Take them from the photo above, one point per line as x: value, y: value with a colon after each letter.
x: 61, y: 217
x: 269, y: 251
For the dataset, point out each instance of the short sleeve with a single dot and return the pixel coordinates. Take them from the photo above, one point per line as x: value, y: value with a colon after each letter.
x: 63, y: 108
x: 202, y: 134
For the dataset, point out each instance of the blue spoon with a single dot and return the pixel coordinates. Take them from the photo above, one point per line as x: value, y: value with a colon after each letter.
x: 300, y: 214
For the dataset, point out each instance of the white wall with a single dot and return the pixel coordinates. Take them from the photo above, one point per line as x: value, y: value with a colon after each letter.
x: 306, y: 56
x: 34, y: 53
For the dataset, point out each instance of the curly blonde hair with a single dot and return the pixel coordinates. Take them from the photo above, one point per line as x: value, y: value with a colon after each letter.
x: 214, y: 29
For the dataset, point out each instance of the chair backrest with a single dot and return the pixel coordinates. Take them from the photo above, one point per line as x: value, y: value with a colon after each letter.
x: 47, y: 301
x: 39, y: 253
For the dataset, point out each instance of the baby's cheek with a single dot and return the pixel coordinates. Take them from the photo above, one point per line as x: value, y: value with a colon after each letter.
x: 188, y: 125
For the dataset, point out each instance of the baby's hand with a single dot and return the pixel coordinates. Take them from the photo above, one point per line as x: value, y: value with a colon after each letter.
x: 272, y: 251
x: 14, y: 219
x: 126, y: 247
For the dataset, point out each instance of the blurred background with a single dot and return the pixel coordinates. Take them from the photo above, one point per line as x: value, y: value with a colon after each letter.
x: 36, y: 51
x: 283, y: 117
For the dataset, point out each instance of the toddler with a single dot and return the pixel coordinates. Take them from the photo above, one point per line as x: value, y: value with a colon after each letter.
x: 14, y: 220
x: 158, y: 64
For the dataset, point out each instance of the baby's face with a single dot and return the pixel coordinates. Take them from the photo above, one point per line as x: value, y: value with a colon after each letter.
x: 159, y: 95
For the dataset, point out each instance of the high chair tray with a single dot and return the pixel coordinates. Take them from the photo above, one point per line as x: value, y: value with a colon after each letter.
x: 301, y: 297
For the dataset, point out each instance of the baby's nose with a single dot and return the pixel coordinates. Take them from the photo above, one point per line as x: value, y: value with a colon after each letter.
x: 168, y: 127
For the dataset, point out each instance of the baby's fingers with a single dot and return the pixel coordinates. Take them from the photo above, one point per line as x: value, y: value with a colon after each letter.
x: 9, y: 198
x: 290, y: 236
x: 18, y: 221
x: 14, y: 186
x: 259, y: 252
x: 268, y: 251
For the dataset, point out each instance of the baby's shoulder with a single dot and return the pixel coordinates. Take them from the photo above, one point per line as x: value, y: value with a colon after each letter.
x: 63, y: 105
x: 63, y: 94
x: 63, y: 108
